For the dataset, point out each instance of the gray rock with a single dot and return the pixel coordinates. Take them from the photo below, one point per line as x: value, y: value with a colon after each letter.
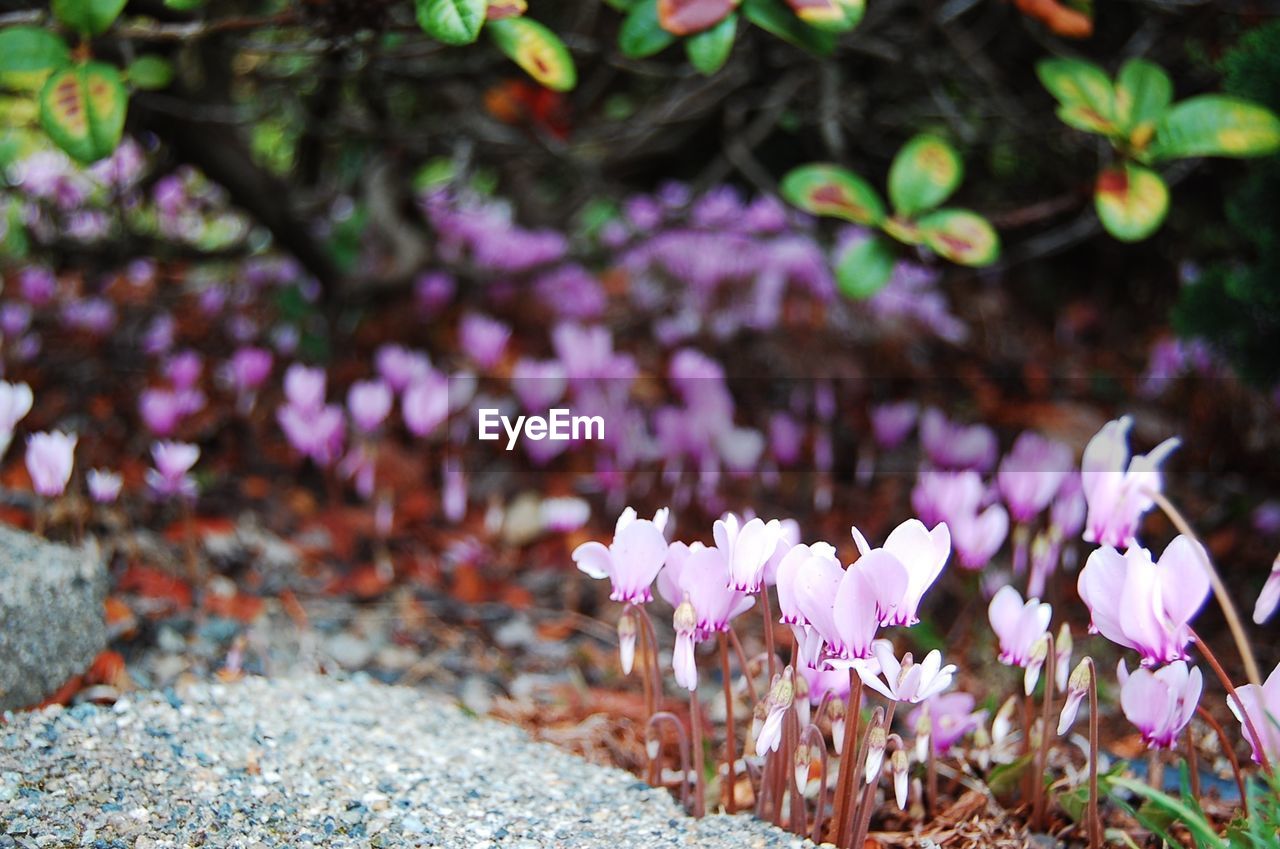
x: 51, y: 621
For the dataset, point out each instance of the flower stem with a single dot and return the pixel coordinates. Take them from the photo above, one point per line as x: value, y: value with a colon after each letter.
x: 653, y: 749
x: 797, y: 819
x: 730, y: 756
x: 1228, y: 748
x: 1229, y: 611
x: 931, y: 777
x: 1094, y: 819
x: 812, y: 737
x: 746, y: 667
x: 868, y: 795
x: 699, y: 780
x: 1231, y: 691
x: 767, y: 609
x: 1042, y: 747
x: 851, y: 717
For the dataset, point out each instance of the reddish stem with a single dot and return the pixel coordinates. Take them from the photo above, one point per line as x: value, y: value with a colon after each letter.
x: 730, y: 756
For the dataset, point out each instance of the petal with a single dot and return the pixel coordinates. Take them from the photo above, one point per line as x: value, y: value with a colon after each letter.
x: 1183, y: 578
x: 859, y: 540
x: 594, y: 559
x: 1004, y: 612
x: 1101, y: 586
x: 627, y: 517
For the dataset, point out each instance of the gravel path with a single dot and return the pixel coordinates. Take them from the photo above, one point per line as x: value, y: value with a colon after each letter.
x: 321, y: 762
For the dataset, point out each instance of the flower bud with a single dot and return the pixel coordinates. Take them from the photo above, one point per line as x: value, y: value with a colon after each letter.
x: 1039, y: 653
x: 876, y: 742
x: 627, y: 640
x: 898, y: 763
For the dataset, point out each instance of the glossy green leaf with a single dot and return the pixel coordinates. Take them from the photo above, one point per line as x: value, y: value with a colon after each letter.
x: 924, y: 174
x: 1131, y: 201
x: 1084, y: 92
x: 775, y: 18
x: 150, y: 72
x: 864, y: 269
x: 1178, y: 810
x: 25, y: 49
x: 710, y: 49
x: 89, y: 17
x: 184, y: 5
x: 832, y: 191
x: 451, y: 21
x: 536, y: 49
x: 641, y: 35
x: 1143, y: 94
x: 83, y: 108
x: 1216, y: 125
x: 961, y: 236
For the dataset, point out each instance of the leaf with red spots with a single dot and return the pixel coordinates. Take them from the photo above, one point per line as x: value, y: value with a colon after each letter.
x: 836, y: 15
x: 537, y: 50
x: 1131, y: 201
x: 832, y: 191
x: 685, y: 17
x: 83, y: 108
x: 961, y: 236
x: 500, y: 9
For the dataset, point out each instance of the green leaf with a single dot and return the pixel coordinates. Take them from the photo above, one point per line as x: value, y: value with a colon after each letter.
x: 1083, y: 90
x: 833, y: 15
x: 864, y: 268
x: 1131, y: 201
x: 25, y: 49
x: 88, y: 17
x: 961, y: 236
x: 536, y: 49
x: 83, y: 108
x: 924, y: 174
x: 776, y: 19
x: 150, y: 72
x: 1143, y: 93
x: 184, y: 5
x: 1216, y: 125
x: 687, y: 17
x: 451, y: 21
x: 641, y: 35
x: 1005, y: 778
x: 1199, y: 827
x: 830, y: 190
x: 710, y: 49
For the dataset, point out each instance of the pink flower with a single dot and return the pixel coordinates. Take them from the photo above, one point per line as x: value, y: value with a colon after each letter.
x: 304, y: 388
x: 161, y: 410
x: 484, y: 339
x: 183, y: 369
x: 793, y: 565
x: 921, y: 553
x: 978, y: 536
x: 453, y: 496
x: 249, y: 368
x: 1115, y: 486
x: 1067, y: 513
x: 954, y: 446
x: 104, y: 486
x: 822, y: 681
x: 892, y: 423
x: 173, y: 462
x: 1269, y: 598
x: 425, y: 404
x: 1031, y: 474
x: 15, y: 403
x: 747, y: 548
x: 1160, y: 703
x: 400, y: 367
x: 944, y: 719
x: 538, y: 383
x: 1022, y: 629
x: 696, y: 582
x: 846, y: 607
x: 632, y: 560
x: 50, y: 456
x: 1263, y: 708
x: 906, y: 681
x: 317, y: 434
x: 565, y: 514
x: 1143, y: 605
x: 941, y: 496
x: 369, y: 402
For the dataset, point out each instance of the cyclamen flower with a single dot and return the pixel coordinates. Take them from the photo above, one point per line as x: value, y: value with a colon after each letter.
x: 15, y: 402
x: 173, y: 462
x: 978, y: 536
x: 1263, y: 708
x: 1143, y: 605
x: 846, y: 607
x: 796, y: 562
x: 317, y: 434
x: 781, y: 698
x: 906, y: 681
x: 954, y: 446
x: 1022, y: 629
x: 183, y: 369
x: 249, y: 368
x: 747, y: 548
x: 922, y: 554
x: 942, y: 496
x: 1160, y: 703
x: 49, y: 459
x: 161, y: 410
x: 484, y: 339
x: 1116, y: 487
x: 696, y: 582
x: 425, y: 404
x: 369, y: 402
x: 104, y: 486
x: 1077, y: 687
x: 892, y: 423
x: 1268, y: 599
x: 632, y: 560
x: 400, y: 367
x: 304, y: 388
x: 944, y: 719
x: 1031, y: 474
